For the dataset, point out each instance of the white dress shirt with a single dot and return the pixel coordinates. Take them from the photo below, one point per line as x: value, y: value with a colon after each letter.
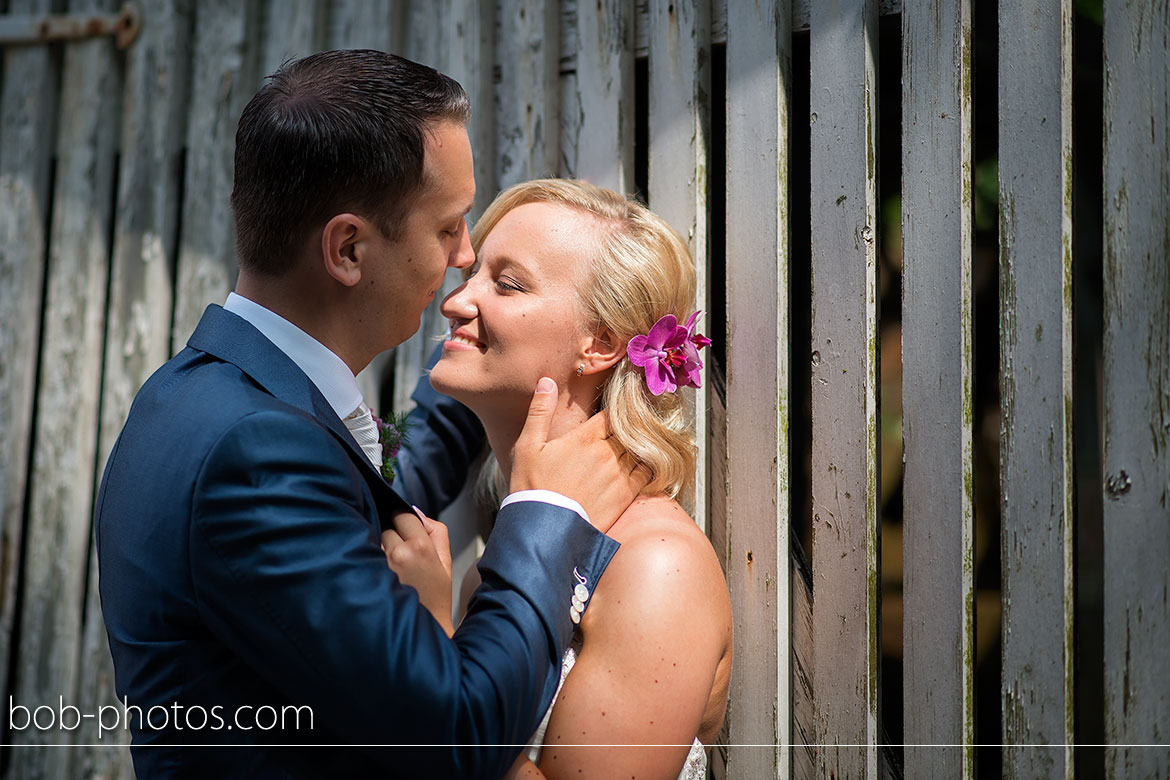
x: 324, y: 368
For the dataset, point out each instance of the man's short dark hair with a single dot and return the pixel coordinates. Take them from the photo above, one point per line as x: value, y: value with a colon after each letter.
x: 333, y: 132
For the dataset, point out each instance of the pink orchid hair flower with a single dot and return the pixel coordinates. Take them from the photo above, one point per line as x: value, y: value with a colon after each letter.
x: 669, y: 354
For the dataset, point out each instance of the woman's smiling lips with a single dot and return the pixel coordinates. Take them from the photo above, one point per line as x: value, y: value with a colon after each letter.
x: 461, y: 339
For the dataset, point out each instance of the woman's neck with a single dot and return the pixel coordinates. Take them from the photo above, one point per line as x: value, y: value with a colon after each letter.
x: 503, y: 427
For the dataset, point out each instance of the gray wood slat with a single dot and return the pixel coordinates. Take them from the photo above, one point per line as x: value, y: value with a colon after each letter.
x: 801, y: 10
x: 1137, y: 388
x: 758, y: 81
x: 527, y: 91
x: 27, y: 107
x: 365, y: 24
x: 470, y: 52
x: 601, y: 95
x: 154, y: 105
x: 680, y: 86
x: 292, y: 29
x: 1035, y: 197
x: 65, y: 437
x: 846, y: 652
x: 222, y: 82
x: 937, y: 331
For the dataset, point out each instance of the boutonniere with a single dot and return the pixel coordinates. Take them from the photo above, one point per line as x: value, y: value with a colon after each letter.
x: 391, y: 435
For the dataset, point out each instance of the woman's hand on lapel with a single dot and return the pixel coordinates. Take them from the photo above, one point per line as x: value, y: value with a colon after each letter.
x: 418, y: 550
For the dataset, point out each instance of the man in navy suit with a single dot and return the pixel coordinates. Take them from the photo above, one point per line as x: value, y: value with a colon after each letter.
x: 247, y: 599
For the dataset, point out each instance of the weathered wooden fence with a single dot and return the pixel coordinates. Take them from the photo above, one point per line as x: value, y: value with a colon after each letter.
x: 115, y: 232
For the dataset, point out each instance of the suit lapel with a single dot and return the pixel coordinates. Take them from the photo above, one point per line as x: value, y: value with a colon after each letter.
x: 234, y: 340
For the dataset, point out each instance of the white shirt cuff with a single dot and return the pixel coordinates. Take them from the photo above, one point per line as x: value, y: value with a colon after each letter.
x: 547, y: 497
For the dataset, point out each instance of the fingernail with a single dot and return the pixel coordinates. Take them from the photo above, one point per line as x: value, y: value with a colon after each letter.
x: 546, y: 385
x: 417, y: 511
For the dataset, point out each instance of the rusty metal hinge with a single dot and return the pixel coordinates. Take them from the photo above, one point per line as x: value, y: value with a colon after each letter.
x: 28, y: 28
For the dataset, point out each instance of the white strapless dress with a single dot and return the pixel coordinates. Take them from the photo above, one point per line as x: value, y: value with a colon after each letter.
x: 695, y: 767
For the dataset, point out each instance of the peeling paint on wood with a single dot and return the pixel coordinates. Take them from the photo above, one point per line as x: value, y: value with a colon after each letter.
x: 1137, y: 387
x: 844, y: 396
x: 65, y: 430
x: 1035, y: 146
x: 222, y: 81
x: 757, y: 385
x: 526, y: 91
x: 26, y: 121
x: 602, y: 93
x: 937, y: 331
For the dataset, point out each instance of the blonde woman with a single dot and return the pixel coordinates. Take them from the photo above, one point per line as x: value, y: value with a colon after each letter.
x: 579, y: 284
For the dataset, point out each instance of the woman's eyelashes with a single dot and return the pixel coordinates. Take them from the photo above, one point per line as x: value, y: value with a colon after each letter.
x: 505, y: 284
x: 499, y: 275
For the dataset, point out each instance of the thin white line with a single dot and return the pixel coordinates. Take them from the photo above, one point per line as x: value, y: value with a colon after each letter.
x: 720, y: 745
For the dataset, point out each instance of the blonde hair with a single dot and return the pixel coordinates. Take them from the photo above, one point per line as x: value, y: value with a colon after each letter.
x: 642, y: 271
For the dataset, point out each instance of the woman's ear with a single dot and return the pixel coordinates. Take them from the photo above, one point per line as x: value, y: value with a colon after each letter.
x: 341, y: 247
x: 602, y: 351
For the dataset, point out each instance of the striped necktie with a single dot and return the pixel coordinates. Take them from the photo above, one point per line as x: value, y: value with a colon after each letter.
x: 365, y: 432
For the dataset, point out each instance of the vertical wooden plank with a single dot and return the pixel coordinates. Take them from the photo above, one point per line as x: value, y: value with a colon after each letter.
x: 846, y: 653
x: 471, y: 54
x: 680, y: 83
x: 758, y: 80
x: 602, y: 88
x: 27, y: 107
x: 527, y: 91
x: 222, y: 82
x: 362, y: 24
x: 937, y: 329
x: 1035, y: 197
x: 65, y: 440
x: 1137, y: 388
x: 292, y: 29
x: 140, y: 302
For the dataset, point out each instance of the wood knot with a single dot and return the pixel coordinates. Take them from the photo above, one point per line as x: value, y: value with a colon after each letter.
x: 1117, y: 485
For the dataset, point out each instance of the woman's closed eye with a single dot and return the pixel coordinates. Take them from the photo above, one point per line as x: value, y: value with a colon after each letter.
x: 507, y: 284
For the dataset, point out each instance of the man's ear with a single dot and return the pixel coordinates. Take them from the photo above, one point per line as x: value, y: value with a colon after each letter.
x: 341, y: 247
x: 602, y: 350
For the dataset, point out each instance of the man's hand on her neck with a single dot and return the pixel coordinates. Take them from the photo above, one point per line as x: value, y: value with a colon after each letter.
x: 586, y: 464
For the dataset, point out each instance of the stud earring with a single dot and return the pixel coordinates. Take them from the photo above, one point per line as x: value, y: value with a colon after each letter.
x: 580, y: 369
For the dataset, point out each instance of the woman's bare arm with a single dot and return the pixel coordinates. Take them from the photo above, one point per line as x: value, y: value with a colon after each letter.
x: 655, y: 634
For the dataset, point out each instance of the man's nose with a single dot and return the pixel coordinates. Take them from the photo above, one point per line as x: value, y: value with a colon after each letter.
x: 464, y: 256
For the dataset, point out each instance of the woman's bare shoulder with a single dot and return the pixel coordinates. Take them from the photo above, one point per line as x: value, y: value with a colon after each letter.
x: 665, y: 562
x: 655, y: 525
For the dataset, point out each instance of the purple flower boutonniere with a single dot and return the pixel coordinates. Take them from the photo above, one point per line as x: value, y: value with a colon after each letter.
x: 391, y: 435
x: 669, y: 353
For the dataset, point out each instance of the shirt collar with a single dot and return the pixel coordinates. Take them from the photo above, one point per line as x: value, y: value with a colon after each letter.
x: 323, y: 367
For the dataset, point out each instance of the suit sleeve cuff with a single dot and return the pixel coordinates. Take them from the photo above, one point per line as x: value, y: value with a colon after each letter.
x: 547, y: 497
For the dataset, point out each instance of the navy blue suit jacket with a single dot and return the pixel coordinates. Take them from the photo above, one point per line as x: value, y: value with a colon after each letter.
x: 241, y: 576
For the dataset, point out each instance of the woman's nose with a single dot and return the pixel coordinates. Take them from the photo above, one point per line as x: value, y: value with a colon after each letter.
x: 458, y: 303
